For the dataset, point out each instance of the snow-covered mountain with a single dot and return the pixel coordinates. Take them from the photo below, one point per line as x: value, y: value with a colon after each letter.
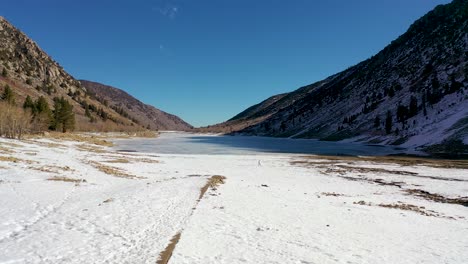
x: 412, y: 93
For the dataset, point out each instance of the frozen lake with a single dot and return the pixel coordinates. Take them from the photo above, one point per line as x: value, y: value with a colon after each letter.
x: 186, y: 143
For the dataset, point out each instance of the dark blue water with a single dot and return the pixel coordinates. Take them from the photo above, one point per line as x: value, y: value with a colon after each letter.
x: 183, y: 143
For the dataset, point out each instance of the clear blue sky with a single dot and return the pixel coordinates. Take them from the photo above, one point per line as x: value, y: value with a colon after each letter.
x: 207, y: 60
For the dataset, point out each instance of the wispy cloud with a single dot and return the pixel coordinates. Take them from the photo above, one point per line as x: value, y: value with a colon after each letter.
x: 167, y: 8
x: 163, y: 50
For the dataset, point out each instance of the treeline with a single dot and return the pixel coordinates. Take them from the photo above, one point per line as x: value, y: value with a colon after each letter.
x: 33, y: 116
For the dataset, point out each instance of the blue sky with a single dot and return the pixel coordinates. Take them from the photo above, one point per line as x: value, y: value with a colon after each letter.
x: 207, y: 60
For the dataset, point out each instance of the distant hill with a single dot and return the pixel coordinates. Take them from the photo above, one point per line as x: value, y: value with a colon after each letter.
x: 413, y: 93
x: 134, y: 109
x: 29, y: 71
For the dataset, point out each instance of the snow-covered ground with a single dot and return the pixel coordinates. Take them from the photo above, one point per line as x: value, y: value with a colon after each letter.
x: 74, y: 202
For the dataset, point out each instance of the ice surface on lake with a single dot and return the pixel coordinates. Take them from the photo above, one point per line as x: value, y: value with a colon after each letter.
x: 185, y: 143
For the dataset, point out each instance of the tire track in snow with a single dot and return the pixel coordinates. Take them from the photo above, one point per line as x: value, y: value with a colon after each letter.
x: 41, y: 214
x: 212, y: 182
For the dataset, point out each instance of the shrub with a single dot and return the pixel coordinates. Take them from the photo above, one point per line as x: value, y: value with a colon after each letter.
x: 14, y: 121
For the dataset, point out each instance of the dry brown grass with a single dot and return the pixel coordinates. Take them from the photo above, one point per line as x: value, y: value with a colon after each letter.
x: 14, y: 120
x: 410, y: 207
x: 130, y: 160
x: 91, y: 148
x: 406, y: 207
x: 166, y: 255
x: 143, y: 134
x: 15, y: 160
x: 212, y: 182
x: 119, y: 160
x: 437, y: 197
x: 51, y: 168
x: 5, y: 150
x: 66, y: 179
x: 342, y: 170
x: 11, y: 144
x: 9, y: 159
x: 145, y: 160
x: 78, y: 137
x: 116, y: 172
x: 45, y: 144
x: 402, y: 161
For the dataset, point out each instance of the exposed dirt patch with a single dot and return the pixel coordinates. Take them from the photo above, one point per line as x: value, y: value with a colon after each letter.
x: 166, y: 255
x: 108, y: 200
x: 66, y: 179
x: 212, y: 183
x: 332, y: 194
x: 437, y: 197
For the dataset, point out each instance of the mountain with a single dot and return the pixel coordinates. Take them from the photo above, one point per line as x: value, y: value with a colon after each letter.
x: 29, y: 71
x: 134, y: 109
x: 412, y: 93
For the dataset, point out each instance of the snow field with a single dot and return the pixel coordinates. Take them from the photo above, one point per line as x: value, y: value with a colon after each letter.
x: 112, y: 207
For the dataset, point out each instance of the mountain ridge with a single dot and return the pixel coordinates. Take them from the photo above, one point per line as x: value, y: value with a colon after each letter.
x: 148, y: 115
x: 30, y: 71
x: 420, y: 77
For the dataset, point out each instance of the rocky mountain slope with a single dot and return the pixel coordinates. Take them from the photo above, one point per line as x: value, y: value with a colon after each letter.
x: 412, y: 93
x: 29, y: 71
x: 134, y: 109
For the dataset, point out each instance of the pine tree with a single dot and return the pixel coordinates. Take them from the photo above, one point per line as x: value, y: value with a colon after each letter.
x: 8, y: 95
x: 43, y: 113
x: 64, y: 118
x: 402, y: 113
x: 424, y: 104
x: 42, y: 106
x: 28, y: 103
x: 377, y: 122
x: 87, y: 112
x: 413, y: 107
x: 388, y: 123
